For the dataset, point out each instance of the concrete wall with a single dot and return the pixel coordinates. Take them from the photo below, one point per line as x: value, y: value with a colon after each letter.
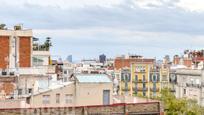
x: 43, y: 55
x: 26, y: 82
x: 37, y: 100
x: 92, y: 94
x: 82, y: 95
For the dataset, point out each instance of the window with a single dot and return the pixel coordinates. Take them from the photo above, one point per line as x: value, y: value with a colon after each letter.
x: 37, y: 61
x: 184, y: 91
x: 164, y: 78
x: 68, y: 98
x: 122, y: 77
x: 143, y: 78
x: 154, y: 94
x: 65, y: 71
x: 154, y: 78
x: 154, y: 87
x: 144, y: 85
x: 158, y: 77
x: 197, y: 81
x: 65, y: 79
x: 136, y: 78
x: 46, y: 99
x: 150, y: 77
x: 127, y: 77
x: 20, y: 91
x: 58, y: 98
x: 144, y: 93
x: 30, y: 90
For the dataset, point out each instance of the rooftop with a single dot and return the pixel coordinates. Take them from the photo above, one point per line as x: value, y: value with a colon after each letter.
x: 189, y: 72
x: 93, y: 78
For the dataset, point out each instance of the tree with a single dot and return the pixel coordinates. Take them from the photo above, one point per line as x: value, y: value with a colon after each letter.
x: 183, y: 106
x: 48, y: 43
x: 2, y: 26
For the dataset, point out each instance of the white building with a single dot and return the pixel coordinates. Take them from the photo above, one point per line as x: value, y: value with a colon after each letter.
x: 189, y: 84
x: 82, y: 90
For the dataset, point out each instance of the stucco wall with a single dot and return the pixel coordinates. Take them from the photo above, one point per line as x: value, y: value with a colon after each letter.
x: 92, y: 94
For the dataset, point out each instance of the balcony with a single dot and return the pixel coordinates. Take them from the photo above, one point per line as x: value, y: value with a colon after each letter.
x: 140, y: 89
x: 193, y: 85
x: 154, y: 81
x: 172, y: 90
x: 125, y: 89
x: 140, y: 81
x: 154, y: 89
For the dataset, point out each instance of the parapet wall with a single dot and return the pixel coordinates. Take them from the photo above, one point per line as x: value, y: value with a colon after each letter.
x: 152, y: 108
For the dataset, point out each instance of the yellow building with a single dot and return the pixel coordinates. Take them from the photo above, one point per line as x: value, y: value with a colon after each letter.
x: 154, y: 81
x: 125, y: 82
x: 141, y: 79
x: 164, y: 73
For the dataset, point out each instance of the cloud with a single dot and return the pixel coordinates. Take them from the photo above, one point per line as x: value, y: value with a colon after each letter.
x: 157, y: 19
x: 94, y: 41
x: 88, y: 28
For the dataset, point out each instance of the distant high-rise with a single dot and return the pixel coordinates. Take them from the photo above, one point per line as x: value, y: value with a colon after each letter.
x: 69, y: 58
x: 102, y: 58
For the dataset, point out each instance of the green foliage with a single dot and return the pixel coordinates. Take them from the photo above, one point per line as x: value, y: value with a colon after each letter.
x: 2, y: 26
x: 48, y: 43
x: 183, y: 106
x: 42, y: 47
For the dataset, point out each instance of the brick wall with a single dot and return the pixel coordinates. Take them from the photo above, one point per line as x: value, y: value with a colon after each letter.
x: 4, y: 51
x: 7, y: 85
x: 176, y: 60
x: 152, y: 108
x: 187, y: 62
x: 120, y: 63
x: 25, y: 52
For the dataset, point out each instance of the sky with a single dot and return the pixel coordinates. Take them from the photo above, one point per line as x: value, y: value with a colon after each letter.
x: 88, y: 28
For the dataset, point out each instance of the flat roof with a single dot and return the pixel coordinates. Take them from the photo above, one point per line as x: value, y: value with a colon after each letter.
x: 93, y: 78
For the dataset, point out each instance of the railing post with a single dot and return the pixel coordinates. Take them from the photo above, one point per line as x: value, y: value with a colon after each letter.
x: 125, y: 109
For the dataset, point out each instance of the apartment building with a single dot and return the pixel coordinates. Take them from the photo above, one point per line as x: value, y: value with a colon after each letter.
x: 134, y: 75
x: 142, y: 79
x: 141, y: 74
x: 154, y: 81
x: 82, y: 90
x: 189, y: 84
x: 164, y: 73
x: 125, y: 85
x: 15, y: 48
x: 122, y: 62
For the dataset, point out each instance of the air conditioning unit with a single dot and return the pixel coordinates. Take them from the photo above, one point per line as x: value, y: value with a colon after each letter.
x: 4, y: 73
x: 18, y: 27
x: 12, y: 73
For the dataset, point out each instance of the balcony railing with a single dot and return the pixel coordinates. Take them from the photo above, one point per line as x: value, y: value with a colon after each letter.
x: 140, y: 81
x: 194, y: 85
x: 173, y: 90
x: 125, y: 89
x: 154, y: 89
x: 140, y: 89
x: 154, y: 81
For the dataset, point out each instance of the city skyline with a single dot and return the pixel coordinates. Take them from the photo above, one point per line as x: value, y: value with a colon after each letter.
x: 89, y: 28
